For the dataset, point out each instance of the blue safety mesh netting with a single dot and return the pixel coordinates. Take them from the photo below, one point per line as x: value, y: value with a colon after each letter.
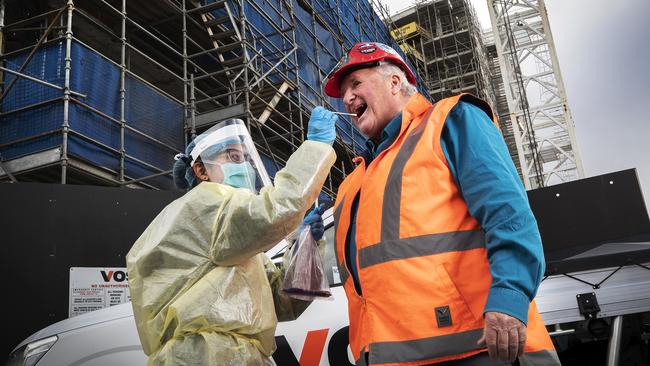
x: 154, y: 122
x: 26, y: 130
x: 323, y: 30
x: 47, y: 65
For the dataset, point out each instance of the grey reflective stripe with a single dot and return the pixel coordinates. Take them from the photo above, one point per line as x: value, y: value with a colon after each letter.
x: 426, y: 348
x: 420, y: 246
x: 540, y: 358
x: 343, y: 272
x: 390, y: 217
x: 362, y: 360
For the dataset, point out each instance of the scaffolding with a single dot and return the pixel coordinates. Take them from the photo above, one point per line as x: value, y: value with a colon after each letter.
x: 542, y: 125
x: 108, y: 91
x: 443, y: 40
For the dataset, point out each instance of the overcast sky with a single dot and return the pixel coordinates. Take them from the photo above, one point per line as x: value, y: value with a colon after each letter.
x: 603, y: 48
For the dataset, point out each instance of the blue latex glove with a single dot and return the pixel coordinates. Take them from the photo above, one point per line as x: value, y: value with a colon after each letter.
x: 315, y: 221
x: 322, y: 126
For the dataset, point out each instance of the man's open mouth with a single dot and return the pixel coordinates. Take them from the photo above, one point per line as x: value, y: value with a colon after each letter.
x: 361, y: 109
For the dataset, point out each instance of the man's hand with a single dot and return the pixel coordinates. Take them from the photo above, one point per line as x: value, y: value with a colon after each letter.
x: 504, y: 336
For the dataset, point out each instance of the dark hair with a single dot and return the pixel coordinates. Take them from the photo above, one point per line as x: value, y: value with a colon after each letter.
x: 184, y: 177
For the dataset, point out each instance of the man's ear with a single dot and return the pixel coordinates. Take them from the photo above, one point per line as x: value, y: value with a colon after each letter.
x: 395, y: 84
x: 200, y: 172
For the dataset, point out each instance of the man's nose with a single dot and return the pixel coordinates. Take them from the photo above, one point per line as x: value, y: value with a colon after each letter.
x: 348, y: 99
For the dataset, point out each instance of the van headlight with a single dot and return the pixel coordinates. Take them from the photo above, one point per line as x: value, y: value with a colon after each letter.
x: 31, y: 353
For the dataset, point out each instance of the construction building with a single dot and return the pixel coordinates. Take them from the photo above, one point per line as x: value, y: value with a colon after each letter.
x: 107, y: 92
x: 443, y: 39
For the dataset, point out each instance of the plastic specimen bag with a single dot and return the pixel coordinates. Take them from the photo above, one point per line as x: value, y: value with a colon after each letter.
x: 305, y: 277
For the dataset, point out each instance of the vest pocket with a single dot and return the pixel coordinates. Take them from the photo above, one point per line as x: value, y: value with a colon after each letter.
x: 447, y: 294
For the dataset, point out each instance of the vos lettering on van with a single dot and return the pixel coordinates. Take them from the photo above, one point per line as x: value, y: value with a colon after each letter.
x: 312, y: 350
x: 117, y: 276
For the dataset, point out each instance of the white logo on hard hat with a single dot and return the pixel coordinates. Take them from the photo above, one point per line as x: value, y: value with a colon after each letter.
x: 389, y: 50
x: 367, y: 47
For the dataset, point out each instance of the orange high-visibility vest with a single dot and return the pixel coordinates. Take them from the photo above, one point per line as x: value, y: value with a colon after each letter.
x: 421, y: 257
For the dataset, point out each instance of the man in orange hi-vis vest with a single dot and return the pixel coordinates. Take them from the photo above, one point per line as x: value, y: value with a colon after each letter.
x: 438, y: 250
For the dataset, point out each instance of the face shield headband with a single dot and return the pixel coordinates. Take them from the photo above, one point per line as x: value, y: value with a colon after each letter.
x: 222, y: 134
x: 230, y: 142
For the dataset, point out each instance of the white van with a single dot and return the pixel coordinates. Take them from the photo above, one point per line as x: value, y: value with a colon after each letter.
x: 109, y: 337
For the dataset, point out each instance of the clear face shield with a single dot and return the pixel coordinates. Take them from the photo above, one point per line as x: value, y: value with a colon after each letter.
x: 229, y: 156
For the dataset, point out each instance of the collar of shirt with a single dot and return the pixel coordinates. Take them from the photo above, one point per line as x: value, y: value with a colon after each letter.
x: 388, y: 135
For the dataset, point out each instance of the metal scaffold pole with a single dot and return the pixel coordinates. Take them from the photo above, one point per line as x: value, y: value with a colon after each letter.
x: 192, y: 109
x: 186, y: 110
x: 2, y: 37
x: 122, y: 94
x: 66, y: 93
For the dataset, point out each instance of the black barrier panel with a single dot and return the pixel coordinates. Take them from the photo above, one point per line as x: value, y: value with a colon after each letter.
x: 578, y: 216
x: 47, y: 228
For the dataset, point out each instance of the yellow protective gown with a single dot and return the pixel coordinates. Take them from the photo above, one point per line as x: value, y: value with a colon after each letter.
x: 198, y: 274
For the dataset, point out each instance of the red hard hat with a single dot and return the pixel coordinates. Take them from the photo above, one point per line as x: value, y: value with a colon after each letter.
x: 362, y: 55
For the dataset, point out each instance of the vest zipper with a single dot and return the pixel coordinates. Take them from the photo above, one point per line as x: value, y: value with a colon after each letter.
x: 351, y: 235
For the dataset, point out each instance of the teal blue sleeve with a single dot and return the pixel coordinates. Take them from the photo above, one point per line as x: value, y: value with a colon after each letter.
x: 483, y: 169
